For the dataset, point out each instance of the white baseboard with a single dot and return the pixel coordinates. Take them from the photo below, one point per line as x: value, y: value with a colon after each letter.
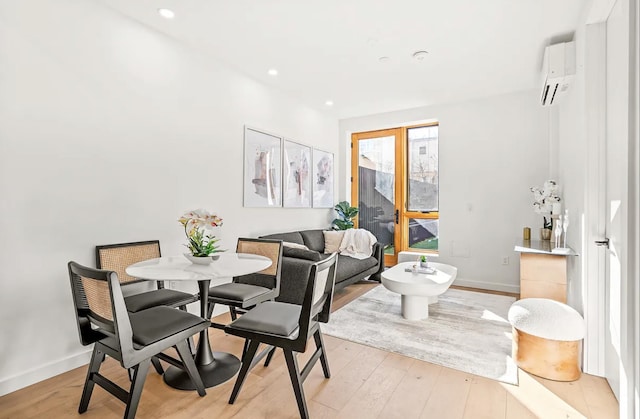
x: 42, y: 372
x: 462, y: 282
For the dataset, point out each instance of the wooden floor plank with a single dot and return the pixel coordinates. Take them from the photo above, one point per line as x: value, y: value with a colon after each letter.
x: 373, y: 395
x: 516, y: 410
x: 346, y: 382
x: 487, y: 399
x: 411, y: 394
x: 448, y: 397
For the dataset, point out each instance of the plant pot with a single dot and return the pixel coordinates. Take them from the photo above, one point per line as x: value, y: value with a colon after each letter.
x: 545, y: 234
x: 424, y: 265
x: 201, y: 260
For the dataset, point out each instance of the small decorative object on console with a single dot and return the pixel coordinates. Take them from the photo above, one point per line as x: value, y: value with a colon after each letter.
x: 547, y: 203
x: 563, y: 224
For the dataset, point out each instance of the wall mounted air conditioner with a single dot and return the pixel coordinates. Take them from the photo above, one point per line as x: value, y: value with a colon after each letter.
x: 558, y: 70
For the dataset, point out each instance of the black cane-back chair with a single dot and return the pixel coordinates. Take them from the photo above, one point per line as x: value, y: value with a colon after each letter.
x: 131, y: 338
x: 289, y: 326
x: 116, y: 257
x: 246, y: 291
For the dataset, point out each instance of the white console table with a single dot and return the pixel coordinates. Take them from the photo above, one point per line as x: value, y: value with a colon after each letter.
x: 543, y: 270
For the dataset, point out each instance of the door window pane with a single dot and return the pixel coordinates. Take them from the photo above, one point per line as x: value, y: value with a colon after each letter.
x: 422, y: 154
x: 376, y: 192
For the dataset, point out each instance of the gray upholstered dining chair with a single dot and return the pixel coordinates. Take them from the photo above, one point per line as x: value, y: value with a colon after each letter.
x: 131, y: 338
x: 289, y: 326
x: 247, y: 291
x: 116, y: 257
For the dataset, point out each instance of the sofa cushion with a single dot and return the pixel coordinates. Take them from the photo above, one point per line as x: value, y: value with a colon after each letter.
x: 332, y: 240
x: 295, y: 245
x: 293, y: 237
x: 313, y: 239
x: 302, y: 253
x: 348, y: 266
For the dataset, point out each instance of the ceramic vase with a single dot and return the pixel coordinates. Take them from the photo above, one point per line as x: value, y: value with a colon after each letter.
x: 201, y: 260
x: 545, y: 234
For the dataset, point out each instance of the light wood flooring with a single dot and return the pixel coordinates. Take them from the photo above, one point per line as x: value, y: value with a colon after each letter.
x: 365, y: 383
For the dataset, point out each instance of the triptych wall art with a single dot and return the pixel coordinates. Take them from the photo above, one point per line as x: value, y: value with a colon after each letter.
x: 280, y: 172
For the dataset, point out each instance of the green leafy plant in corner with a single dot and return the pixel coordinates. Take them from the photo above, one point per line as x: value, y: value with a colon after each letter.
x: 346, y: 213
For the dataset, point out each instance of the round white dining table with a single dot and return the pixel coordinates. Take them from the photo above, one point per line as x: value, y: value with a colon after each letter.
x: 214, y: 367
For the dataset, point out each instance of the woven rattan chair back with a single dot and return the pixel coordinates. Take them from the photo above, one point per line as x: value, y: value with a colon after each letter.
x: 262, y: 248
x: 98, y: 298
x: 93, y: 303
x: 116, y: 257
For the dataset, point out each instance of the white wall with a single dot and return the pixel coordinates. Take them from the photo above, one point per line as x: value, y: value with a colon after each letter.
x: 492, y: 151
x: 108, y: 132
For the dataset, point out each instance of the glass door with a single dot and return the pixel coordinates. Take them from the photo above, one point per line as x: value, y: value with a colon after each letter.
x: 374, y: 186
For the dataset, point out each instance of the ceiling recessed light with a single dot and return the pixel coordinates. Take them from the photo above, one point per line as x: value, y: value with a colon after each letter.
x: 420, y: 55
x: 329, y: 103
x: 166, y: 13
x: 272, y: 72
x: 384, y: 59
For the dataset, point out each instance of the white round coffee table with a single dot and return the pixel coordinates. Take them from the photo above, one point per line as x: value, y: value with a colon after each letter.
x: 418, y: 290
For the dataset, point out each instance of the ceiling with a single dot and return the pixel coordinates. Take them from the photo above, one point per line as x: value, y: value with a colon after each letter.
x: 331, y: 49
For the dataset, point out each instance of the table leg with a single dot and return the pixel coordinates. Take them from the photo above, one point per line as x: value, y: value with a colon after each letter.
x: 415, y: 307
x: 214, y: 367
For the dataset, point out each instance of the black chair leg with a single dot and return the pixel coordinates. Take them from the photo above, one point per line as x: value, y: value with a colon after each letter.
x: 234, y: 314
x: 210, y: 310
x: 296, y: 382
x: 156, y: 364
x: 247, y: 359
x: 139, y: 376
x: 317, y: 336
x: 192, y: 346
x: 245, y: 347
x: 94, y: 366
x: 190, y: 366
x: 270, y: 356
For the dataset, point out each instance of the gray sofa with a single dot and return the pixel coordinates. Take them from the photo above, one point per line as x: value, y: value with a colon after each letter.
x: 296, y: 264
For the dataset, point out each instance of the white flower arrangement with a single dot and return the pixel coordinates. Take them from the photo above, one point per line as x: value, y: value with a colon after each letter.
x: 544, y: 200
x: 195, y: 224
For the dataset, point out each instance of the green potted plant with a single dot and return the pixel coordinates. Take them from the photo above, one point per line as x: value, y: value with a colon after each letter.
x: 202, y: 245
x: 423, y: 262
x: 346, y: 214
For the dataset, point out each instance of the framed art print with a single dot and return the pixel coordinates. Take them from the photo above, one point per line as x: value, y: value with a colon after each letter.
x: 262, y: 169
x: 296, y: 175
x: 322, y: 179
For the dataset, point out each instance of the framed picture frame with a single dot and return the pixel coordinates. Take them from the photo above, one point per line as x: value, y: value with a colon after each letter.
x: 296, y: 175
x: 323, y: 179
x: 262, y: 169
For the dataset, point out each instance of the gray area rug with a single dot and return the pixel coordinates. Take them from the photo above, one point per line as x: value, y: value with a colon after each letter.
x: 466, y: 330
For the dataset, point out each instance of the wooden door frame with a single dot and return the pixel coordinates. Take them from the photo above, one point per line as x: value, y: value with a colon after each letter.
x: 399, y: 134
x: 401, y: 240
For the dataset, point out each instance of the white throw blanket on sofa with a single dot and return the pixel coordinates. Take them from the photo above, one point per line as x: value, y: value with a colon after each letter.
x: 357, y: 243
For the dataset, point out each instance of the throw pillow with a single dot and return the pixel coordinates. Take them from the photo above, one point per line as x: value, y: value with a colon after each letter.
x: 332, y: 240
x: 295, y: 245
x: 301, y: 253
